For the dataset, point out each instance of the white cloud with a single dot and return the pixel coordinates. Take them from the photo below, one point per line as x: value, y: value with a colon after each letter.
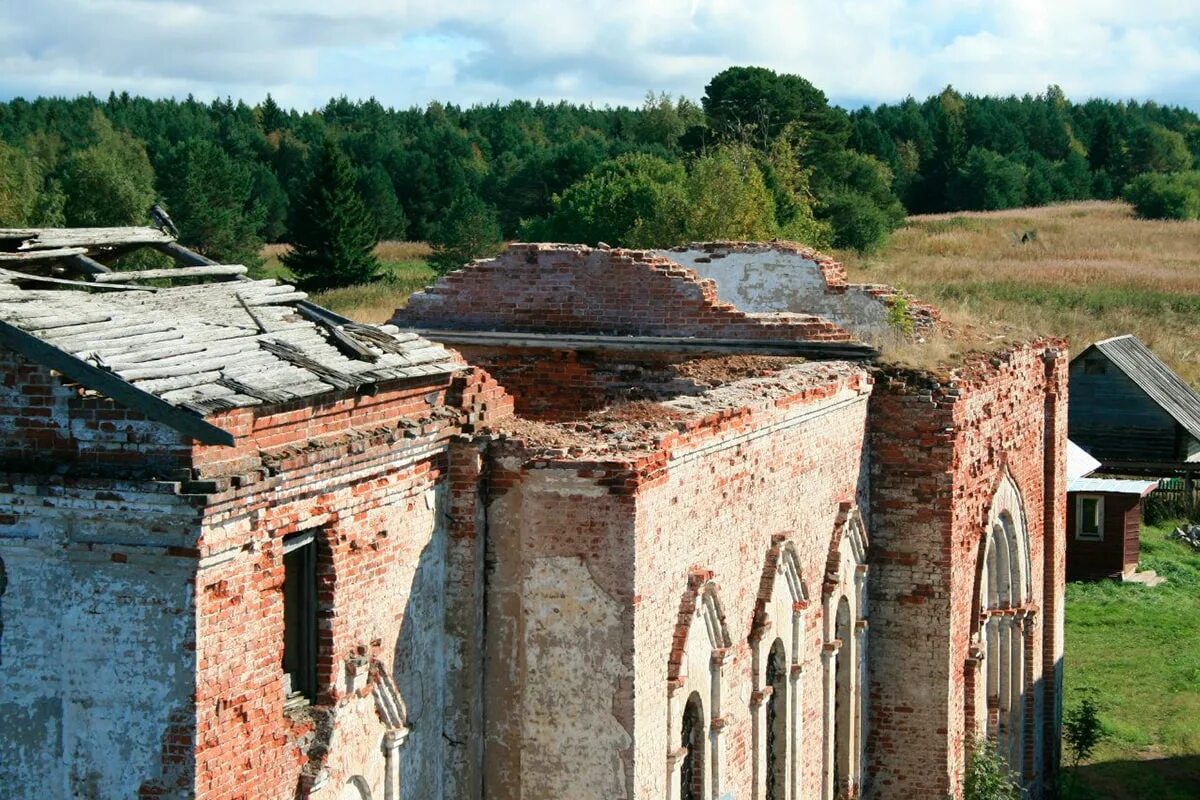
x: 601, y: 51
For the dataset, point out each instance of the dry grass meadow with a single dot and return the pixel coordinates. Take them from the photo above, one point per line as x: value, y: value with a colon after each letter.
x: 1087, y: 271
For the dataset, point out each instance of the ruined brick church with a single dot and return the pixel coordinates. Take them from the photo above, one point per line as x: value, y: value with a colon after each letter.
x: 578, y: 523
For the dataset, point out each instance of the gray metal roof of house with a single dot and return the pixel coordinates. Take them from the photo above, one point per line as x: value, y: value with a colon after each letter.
x: 182, y: 352
x: 1111, y: 486
x: 1154, y: 377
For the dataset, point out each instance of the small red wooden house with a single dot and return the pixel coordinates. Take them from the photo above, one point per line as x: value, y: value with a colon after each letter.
x: 1104, y: 520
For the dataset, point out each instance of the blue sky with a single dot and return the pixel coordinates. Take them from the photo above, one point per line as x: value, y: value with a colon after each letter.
x: 597, y: 51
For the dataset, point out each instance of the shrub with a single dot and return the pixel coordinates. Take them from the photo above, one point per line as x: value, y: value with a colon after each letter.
x: 1159, y: 196
x: 1082, y: 732
x: 857, y: 221
x: 987, y: 776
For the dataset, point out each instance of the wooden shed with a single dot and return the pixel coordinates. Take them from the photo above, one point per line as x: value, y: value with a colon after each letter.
x: 1129, y: 410
x: 1104, y: 520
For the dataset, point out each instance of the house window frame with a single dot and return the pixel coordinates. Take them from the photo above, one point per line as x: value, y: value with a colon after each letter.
x: 1089, y: 536
x: 302, y: 634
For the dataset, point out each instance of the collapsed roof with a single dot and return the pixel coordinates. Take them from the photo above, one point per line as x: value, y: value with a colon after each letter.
x: 180, y: 353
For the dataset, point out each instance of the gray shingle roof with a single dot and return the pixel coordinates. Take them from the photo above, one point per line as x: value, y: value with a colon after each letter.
x: 209, y: 347
x: 1154, y: 377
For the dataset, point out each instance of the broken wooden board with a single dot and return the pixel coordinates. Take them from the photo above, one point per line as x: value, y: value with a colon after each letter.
x: 171, y: 272
x: 52, y: 238
x: 29, y: 256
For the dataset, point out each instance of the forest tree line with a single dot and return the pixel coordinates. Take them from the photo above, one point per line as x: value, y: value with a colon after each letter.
x: 760, y: 155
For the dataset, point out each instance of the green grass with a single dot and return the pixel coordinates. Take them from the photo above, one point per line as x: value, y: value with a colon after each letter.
x: 1138, y: 648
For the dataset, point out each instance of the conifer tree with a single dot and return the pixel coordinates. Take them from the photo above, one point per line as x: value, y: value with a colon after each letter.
x: 469, y: 231
x: 335, y: 237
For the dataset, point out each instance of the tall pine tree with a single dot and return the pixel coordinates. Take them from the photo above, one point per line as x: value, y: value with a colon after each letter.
x: 335, y: 237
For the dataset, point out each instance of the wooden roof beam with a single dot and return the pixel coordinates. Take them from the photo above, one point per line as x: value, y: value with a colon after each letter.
x: 229, y: 270
x: 183, y: 255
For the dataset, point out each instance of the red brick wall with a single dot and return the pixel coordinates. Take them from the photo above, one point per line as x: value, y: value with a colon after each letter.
x: 369, y: 474
x: 938, y: 451
x: 574, y: 289
x: 720, y: 511
x: 565, y: 385
x: 44, y: 421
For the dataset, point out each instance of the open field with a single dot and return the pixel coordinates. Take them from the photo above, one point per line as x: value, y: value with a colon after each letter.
x: 1138, y: 648
x: 1089, y: 271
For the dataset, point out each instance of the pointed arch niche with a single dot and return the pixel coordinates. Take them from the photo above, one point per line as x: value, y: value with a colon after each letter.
x: 776, y: 702
x: 695, y: 719
x: 844, y: 605
x: 997, y: 671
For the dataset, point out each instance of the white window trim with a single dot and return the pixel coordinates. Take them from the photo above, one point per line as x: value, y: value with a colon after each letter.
x: 1080, y: 534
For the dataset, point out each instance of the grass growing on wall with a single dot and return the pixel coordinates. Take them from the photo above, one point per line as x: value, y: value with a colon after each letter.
x: 1139, y: 649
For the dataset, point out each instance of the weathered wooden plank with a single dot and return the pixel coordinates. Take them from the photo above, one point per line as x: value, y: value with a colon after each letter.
x: 49, y: 238
x: 55, y: 319
x: 254, y: 317
x: 264, y: 394
x: 175, y: 272
x: 293, y: 355
x: 169, y: 368
x: 342, y: 340
x: 41, y: 255
x: 279, y: 298
x: 113, y: 326
x: 333, y: 315
x: 21, y: 277
x: 171, y: 383
x: 104, y: 349
x: 385, y: 341
x: 104, y: 335
x: 113, y: 386
x: 244, y: 349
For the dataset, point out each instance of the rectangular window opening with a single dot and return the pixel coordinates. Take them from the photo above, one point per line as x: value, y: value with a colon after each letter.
x: 300, y: 615
x: 1089, y: 518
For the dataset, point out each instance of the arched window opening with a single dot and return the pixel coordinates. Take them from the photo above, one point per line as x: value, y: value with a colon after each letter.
x: 844, y: 658
x: 691, y: 776
x: 843, y: 713
x: 356, y: 789
x: 777, y: 722
x: 997, y: 704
